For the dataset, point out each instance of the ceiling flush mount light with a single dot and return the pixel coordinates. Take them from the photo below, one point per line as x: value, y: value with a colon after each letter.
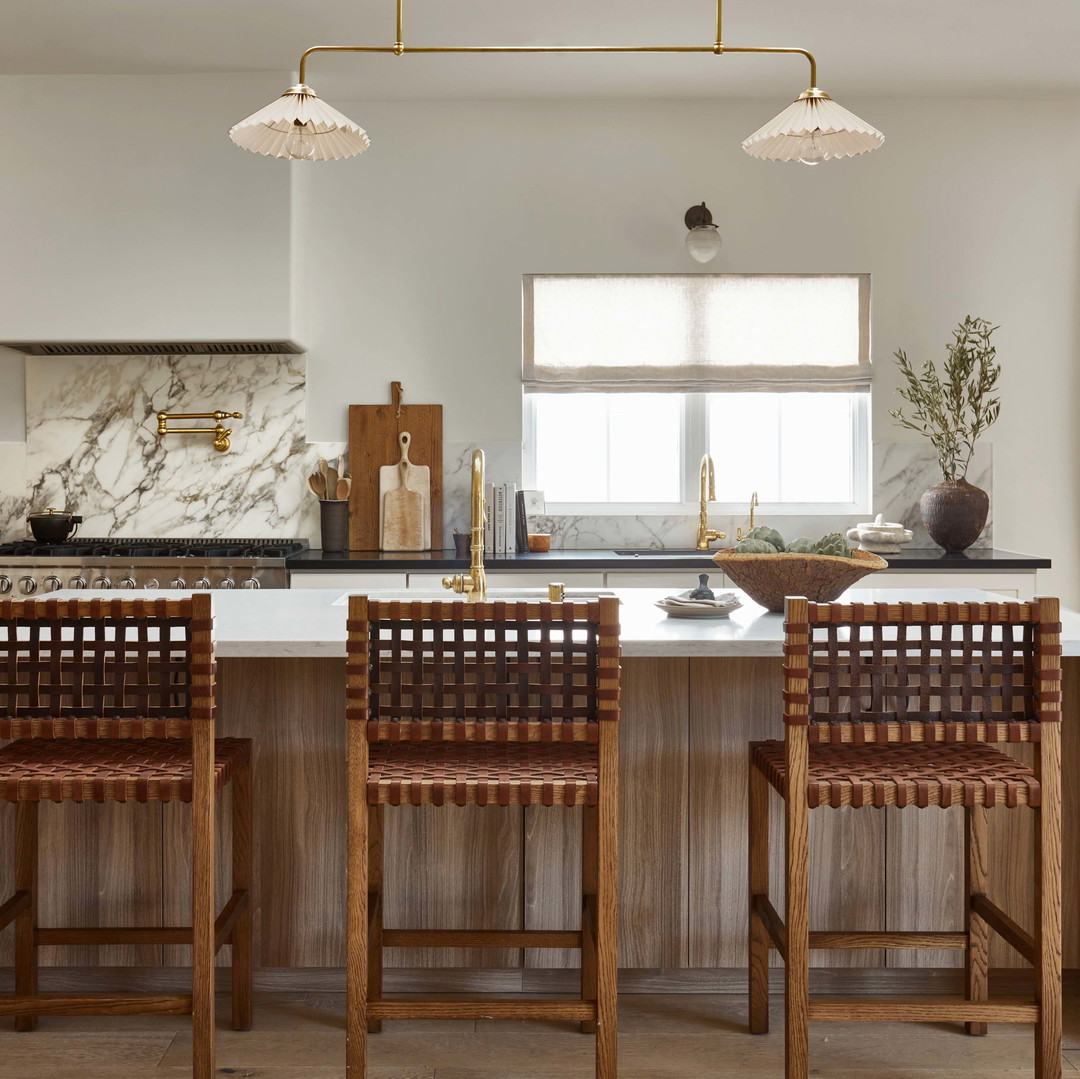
x: 703, y: 239
x: 301, y: 127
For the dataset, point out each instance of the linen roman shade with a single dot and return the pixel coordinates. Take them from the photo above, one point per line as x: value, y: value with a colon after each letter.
x: 695, y: 333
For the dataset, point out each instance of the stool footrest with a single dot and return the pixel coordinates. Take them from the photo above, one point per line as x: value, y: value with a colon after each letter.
x: 13, y: 907
x: 95, y: 1004
x: 891, y: 939
x: 1004, y: 926
x: 923, y: 1010
x: 438, y: 1008
x: 145, y: 934
x: 774, y: 924
x: 480, y: 938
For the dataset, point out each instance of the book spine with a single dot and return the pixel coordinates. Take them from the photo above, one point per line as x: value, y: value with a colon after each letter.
x: 489, y: 520
x: 511, y: 517
x: 500, y: 519
x: 522, y: 523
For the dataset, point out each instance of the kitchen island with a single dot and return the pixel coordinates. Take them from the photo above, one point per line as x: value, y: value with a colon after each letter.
x: 694, y: 694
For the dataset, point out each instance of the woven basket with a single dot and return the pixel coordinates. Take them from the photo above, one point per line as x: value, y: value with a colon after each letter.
x: 768, y: 578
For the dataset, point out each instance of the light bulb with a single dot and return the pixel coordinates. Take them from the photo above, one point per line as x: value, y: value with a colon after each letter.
x: 300, y: 142
x: 703, y: 243
x: 811, y: 150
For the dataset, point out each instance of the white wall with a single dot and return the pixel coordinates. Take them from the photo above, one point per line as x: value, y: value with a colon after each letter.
x: 412, y: 254
x: 126, y: 212
x: 132, y: 215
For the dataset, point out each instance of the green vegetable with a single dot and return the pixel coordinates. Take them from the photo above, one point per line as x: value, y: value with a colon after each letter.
x: 755, y: 546
x: 769, y: 535
x: 802, y: 545
x: 833, y: 544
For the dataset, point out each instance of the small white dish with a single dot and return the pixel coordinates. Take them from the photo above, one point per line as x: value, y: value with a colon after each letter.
x: 683, y: 610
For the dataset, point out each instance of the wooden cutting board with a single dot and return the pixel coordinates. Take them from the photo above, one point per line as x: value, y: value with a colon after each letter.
x: 404, y: 503
x: 373, y: 442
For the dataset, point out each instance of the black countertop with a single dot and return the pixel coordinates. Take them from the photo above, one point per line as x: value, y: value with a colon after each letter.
x: 983, y: 559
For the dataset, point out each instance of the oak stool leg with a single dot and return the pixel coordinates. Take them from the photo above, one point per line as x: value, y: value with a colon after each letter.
x: 797, y: 963
x: 607, y: 990
x: 1048, y: 906
x: 590, y: 836
x: 375, y: 910
x: 356, y: 920
x: 26, y: 872
x: 203, y: 905
x: 758, y: 823
x: 977, y: 957
x: 242, y: 972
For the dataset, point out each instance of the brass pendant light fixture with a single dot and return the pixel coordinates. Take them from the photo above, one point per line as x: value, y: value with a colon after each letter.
x: 300, y: 126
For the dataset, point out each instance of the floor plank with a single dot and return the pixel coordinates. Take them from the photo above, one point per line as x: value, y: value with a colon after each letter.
x: 661, y: 1036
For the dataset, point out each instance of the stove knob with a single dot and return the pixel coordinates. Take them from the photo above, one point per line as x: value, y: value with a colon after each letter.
x: 151, y: 582
x: 51, y: 583
x: 178, y: 582
x: 28, y: 585
x: 5, y: 584
x: 102, y: 582
x: 226, y: 582
x: 78, y: 581
x: 202, y: 584
x: 251, y: 582
x: 126, y: 582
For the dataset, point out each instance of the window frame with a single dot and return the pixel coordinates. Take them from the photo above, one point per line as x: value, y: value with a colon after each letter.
x: 693, y: 443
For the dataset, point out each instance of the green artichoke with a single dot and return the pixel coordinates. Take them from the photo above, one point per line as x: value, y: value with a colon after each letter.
x: 802, y: 545
x: 755, y: 546
x: 769, y: 535
x: 833, y: 544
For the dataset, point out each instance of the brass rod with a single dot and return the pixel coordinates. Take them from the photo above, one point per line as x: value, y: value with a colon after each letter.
x: 399, y: 41
x: 718, y: 48
x: 399, y: 50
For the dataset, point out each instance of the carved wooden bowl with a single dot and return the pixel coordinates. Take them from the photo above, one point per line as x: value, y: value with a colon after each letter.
x: 768, y: 578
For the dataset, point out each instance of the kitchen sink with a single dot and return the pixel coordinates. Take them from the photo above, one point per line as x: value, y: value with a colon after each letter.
x: 663, y: 552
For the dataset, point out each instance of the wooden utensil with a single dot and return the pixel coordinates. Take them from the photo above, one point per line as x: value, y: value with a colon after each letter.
x: 404, y: 503
x: 373, y: 441
x: 344, y: 488
x: 317, y: 484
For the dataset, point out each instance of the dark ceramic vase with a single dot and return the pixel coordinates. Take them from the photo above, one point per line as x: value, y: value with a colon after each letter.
x: 954, y: 513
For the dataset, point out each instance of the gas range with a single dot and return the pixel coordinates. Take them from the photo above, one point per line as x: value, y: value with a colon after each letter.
x: 28, y: 567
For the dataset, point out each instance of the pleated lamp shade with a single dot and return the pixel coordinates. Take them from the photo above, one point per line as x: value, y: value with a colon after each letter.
x: 812, y: 129
x: 301, y: 126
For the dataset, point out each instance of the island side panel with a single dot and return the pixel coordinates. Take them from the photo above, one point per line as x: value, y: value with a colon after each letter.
x: 733, y: 702
x: 653, y: 830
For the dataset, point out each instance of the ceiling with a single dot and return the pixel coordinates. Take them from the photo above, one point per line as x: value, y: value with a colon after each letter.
x: 864, y: 47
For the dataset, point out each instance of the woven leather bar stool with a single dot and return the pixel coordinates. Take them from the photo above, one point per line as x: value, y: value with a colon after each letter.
x: 453, y: 703
x: 896, y: 704
x: 114, y: 700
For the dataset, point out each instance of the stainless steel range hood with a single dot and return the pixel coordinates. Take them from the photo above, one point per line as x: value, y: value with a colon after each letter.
x: 153, y: 348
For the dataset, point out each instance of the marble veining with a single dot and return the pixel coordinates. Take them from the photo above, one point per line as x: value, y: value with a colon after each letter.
x: 92, y: 447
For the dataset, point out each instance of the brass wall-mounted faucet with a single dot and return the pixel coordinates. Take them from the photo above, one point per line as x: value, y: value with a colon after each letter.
x: 705, y: 534
x: 474, y: 584
x: 219, y: 431
x: 753, y: 506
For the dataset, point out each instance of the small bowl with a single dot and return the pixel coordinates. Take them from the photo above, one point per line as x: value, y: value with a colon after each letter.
x: 539, y: 542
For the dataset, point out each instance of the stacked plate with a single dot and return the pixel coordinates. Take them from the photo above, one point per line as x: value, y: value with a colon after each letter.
x: 682, y: 606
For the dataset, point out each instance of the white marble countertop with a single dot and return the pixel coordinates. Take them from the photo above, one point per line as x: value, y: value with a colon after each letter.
x: 311, y: 622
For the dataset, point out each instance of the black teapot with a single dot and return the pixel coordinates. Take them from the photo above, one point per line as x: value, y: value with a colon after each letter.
x: 53, y: 526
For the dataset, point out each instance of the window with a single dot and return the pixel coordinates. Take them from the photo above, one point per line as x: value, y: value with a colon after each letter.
x: 629, y: 379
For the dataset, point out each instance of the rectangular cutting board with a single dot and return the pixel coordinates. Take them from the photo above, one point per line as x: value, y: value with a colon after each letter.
x: 373, y: 442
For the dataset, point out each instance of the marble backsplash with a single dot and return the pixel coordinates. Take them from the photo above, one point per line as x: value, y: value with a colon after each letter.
x: 92, y: 447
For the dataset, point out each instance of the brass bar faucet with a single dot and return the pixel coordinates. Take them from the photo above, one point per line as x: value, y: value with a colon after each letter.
x: 705, y: 534
x: 753, y: 506
x: 474, y: 585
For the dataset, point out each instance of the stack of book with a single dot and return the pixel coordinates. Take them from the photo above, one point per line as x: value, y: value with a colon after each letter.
x: 506, y: 528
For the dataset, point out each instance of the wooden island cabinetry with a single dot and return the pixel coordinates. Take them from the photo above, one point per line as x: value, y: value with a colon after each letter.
x: 694, y: 696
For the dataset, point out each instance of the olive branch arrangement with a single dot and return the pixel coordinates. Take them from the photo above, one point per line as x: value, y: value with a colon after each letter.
x: 953, y: 411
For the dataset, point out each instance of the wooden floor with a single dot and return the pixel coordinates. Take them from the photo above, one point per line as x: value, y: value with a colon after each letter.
x: 301, y: 1036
